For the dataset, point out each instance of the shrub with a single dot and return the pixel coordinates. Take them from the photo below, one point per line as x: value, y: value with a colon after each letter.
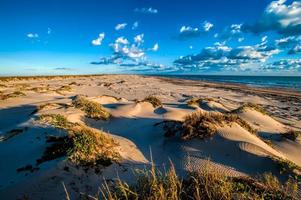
x: 92, y: 109
x: 291, y: 134
x: 153, y: 100
x: 83, y: 146
x: 203, y: 125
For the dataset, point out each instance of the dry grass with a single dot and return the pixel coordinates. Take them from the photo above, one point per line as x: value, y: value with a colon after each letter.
x: 288, y: 167
x: 12, y: 95
x: 43, y: 89
x: 197, y: 101
x: 153, y: 100
x: 203, y: 125
x: 251, y: 106
x: 205, y: 184
x: 92, y: 109
x: 63, y: 89
x: 291, y: 134
x: 83, y: 146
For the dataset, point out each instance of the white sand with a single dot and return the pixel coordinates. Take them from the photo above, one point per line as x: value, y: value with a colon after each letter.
x: 233, y: 150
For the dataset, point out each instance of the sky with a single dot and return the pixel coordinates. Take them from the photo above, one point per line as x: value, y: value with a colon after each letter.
x: 233, y: 37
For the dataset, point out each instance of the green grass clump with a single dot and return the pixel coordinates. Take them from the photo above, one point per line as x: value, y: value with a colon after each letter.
x: 203, y: 124
x: 83, y: 146
x: 56, y: 120
x: 92, y: 109
x: 291, y: 134
x: 153, y: 100
x: 288, y: 167
x: 204, y: 184
x: 251, y: 106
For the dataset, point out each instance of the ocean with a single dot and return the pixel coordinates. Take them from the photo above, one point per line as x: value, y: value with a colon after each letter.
x: 288, y: 82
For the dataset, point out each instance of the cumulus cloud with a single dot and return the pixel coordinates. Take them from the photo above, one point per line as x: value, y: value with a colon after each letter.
x: 279, y: 17
x: 126, y: 53
x: 32, y: 35
x: 284, y: 65
x: 98, y: 41
x: 222, y: 57
x: 292, y: 43
x: 139, y: 39
x: 120, y: 26
x: 232, y: 32
x: 155, y: 47
x: 207, y: 26
x: 187, y: 32
x: 149, y: 10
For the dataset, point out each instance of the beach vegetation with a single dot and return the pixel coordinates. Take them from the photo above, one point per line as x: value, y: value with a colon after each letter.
x: 92, y: 109
x: 155, y: 101
x: 205, y: 183
x: 82, y: 145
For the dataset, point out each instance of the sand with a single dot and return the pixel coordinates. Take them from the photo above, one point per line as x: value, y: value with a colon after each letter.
x: 136, y: 127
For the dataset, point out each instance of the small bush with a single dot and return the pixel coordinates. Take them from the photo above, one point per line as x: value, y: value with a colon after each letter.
x: 203, y: 125
x: 153, y: 100
x: 64, y: 88
x: 291, y: 134
x: 92, y: 109
x: 197, y: 101
x: 83, y: 146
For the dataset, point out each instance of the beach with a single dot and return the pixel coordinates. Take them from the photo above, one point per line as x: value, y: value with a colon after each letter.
x: 253, y: 142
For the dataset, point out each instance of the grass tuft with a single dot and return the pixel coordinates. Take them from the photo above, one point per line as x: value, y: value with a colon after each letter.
x: 12, y: 95
x: 153, y: 100
x: 203, y: 125
x: 204, y: 184
x: 291, y: 135
x: 83, y: 146
x: 92, y: 109
x: 251, y: 106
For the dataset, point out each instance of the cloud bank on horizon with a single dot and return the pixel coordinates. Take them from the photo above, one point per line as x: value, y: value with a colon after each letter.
x: 146, y: 39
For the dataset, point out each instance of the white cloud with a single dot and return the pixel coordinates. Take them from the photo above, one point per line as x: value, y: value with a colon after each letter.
x: 279, y: 17
x: 187, y: 32
x: 284, y: 65
x: 149, y: 10
x: 155, y: 47
x: 135, y: 25
x: 139, y: 39
x: 207, y: 26
x: 122, y: 40
x: 32, y: 35
x: 120, y: 26
x: 222, y: 57
x: 98, y: 41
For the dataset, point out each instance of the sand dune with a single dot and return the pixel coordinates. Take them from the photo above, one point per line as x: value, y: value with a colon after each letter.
x: 138, y: 129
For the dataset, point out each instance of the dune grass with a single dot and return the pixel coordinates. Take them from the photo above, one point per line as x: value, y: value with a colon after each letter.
x: 197, y: 101
x: 288, y: 167
x: 253, y: 106
x: 203, y: 125
x: 207, y: 183
x: 92, y: 109
x: 291, y: 135
x: 155, y: 101
x: 83, y: 146
x: 12, y: 95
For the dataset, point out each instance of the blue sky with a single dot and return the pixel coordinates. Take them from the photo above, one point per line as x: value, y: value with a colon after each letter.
x: 257, y: 37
